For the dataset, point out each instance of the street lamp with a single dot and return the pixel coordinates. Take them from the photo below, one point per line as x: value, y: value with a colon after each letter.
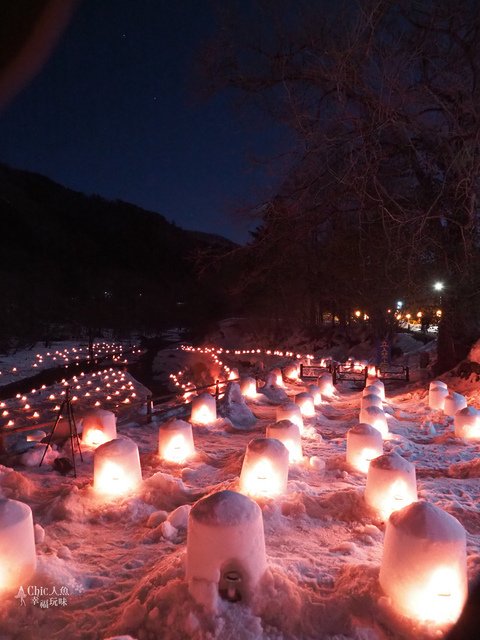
x: 438, y: 286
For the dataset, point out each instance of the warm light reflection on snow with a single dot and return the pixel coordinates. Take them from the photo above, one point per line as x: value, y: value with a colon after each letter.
x: 113, y: 479
x: 249, y: 389
x: 94, y: 437
x: 397, y: 496
x: 438, y: 598
x: 294, y: 451
x: 262, y: 480
x: 176, y: 450
x: 203, y: 414
x: 472, y: 432
x: 362, y: 460
x: 306, y: 405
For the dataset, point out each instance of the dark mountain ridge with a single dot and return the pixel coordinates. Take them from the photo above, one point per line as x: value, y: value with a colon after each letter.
x: 72, y: 259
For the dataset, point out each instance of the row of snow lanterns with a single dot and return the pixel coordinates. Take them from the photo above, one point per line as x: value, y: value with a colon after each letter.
x: 232, y: 374
x: 424, y: 561
x: 67, y: 355
x: 466, y: 420
x: 391, y: 481
x: 423, y: 567
x: 269, y: 457
x: 83, y: 386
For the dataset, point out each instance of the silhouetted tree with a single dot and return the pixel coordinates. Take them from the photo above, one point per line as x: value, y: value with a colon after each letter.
x: 381, y: 99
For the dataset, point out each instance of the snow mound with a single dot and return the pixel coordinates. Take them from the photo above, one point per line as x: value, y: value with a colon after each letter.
x: 225, y: 508
x: 392, y: 462
x: 425, y: 520
x: 15, y: 485
x: 236, y: 409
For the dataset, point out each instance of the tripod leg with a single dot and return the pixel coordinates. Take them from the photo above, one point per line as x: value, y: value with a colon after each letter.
x: 49, y: 439
x: 70, y: 424
x: 75, y: 433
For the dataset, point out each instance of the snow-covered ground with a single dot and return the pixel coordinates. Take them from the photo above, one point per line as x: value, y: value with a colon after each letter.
x: 120, y: 564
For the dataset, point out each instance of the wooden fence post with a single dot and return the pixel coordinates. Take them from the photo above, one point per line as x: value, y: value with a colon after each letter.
x: 149, y: 409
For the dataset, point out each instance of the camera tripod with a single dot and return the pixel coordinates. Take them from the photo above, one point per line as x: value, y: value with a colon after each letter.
x: 66, y: 407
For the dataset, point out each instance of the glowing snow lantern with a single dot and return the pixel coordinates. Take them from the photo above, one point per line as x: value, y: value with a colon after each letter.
x: 290, y: 411
x: 325, y: 384
x: 372, y: 371
x: 377, y: 387
x: 35, y: 436
x: 467, y: 423
x: 204, y: 409
x: 289, y: 434
x: 248, y: 387
x: 376, y: 418
x: 454, y: 402
x: 306, y: 404
x: 116, y: 467
x: 99, y: 426
x: 265, y: 468
x: 437, y: 393
x: 391, y: 484
x: 364, y: 443
x: 423, y: 567
x: 275, y: 377
x: 371, y: 400
x: 314, y: 390
x: 18, y: 559
x: 233, y: 375
x: 291, y: 372
x: 175, y: 441
x: 225, y: 549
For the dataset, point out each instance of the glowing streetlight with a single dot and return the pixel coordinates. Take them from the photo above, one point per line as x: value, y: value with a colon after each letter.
x: 438, y: 286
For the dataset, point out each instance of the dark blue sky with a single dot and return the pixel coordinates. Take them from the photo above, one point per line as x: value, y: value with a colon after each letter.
x: 113, y: 112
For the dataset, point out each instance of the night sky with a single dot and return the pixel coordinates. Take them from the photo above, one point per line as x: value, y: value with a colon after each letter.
x: 114, y: 112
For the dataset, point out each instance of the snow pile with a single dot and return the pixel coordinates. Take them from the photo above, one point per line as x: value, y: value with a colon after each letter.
x: 236, y: 409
